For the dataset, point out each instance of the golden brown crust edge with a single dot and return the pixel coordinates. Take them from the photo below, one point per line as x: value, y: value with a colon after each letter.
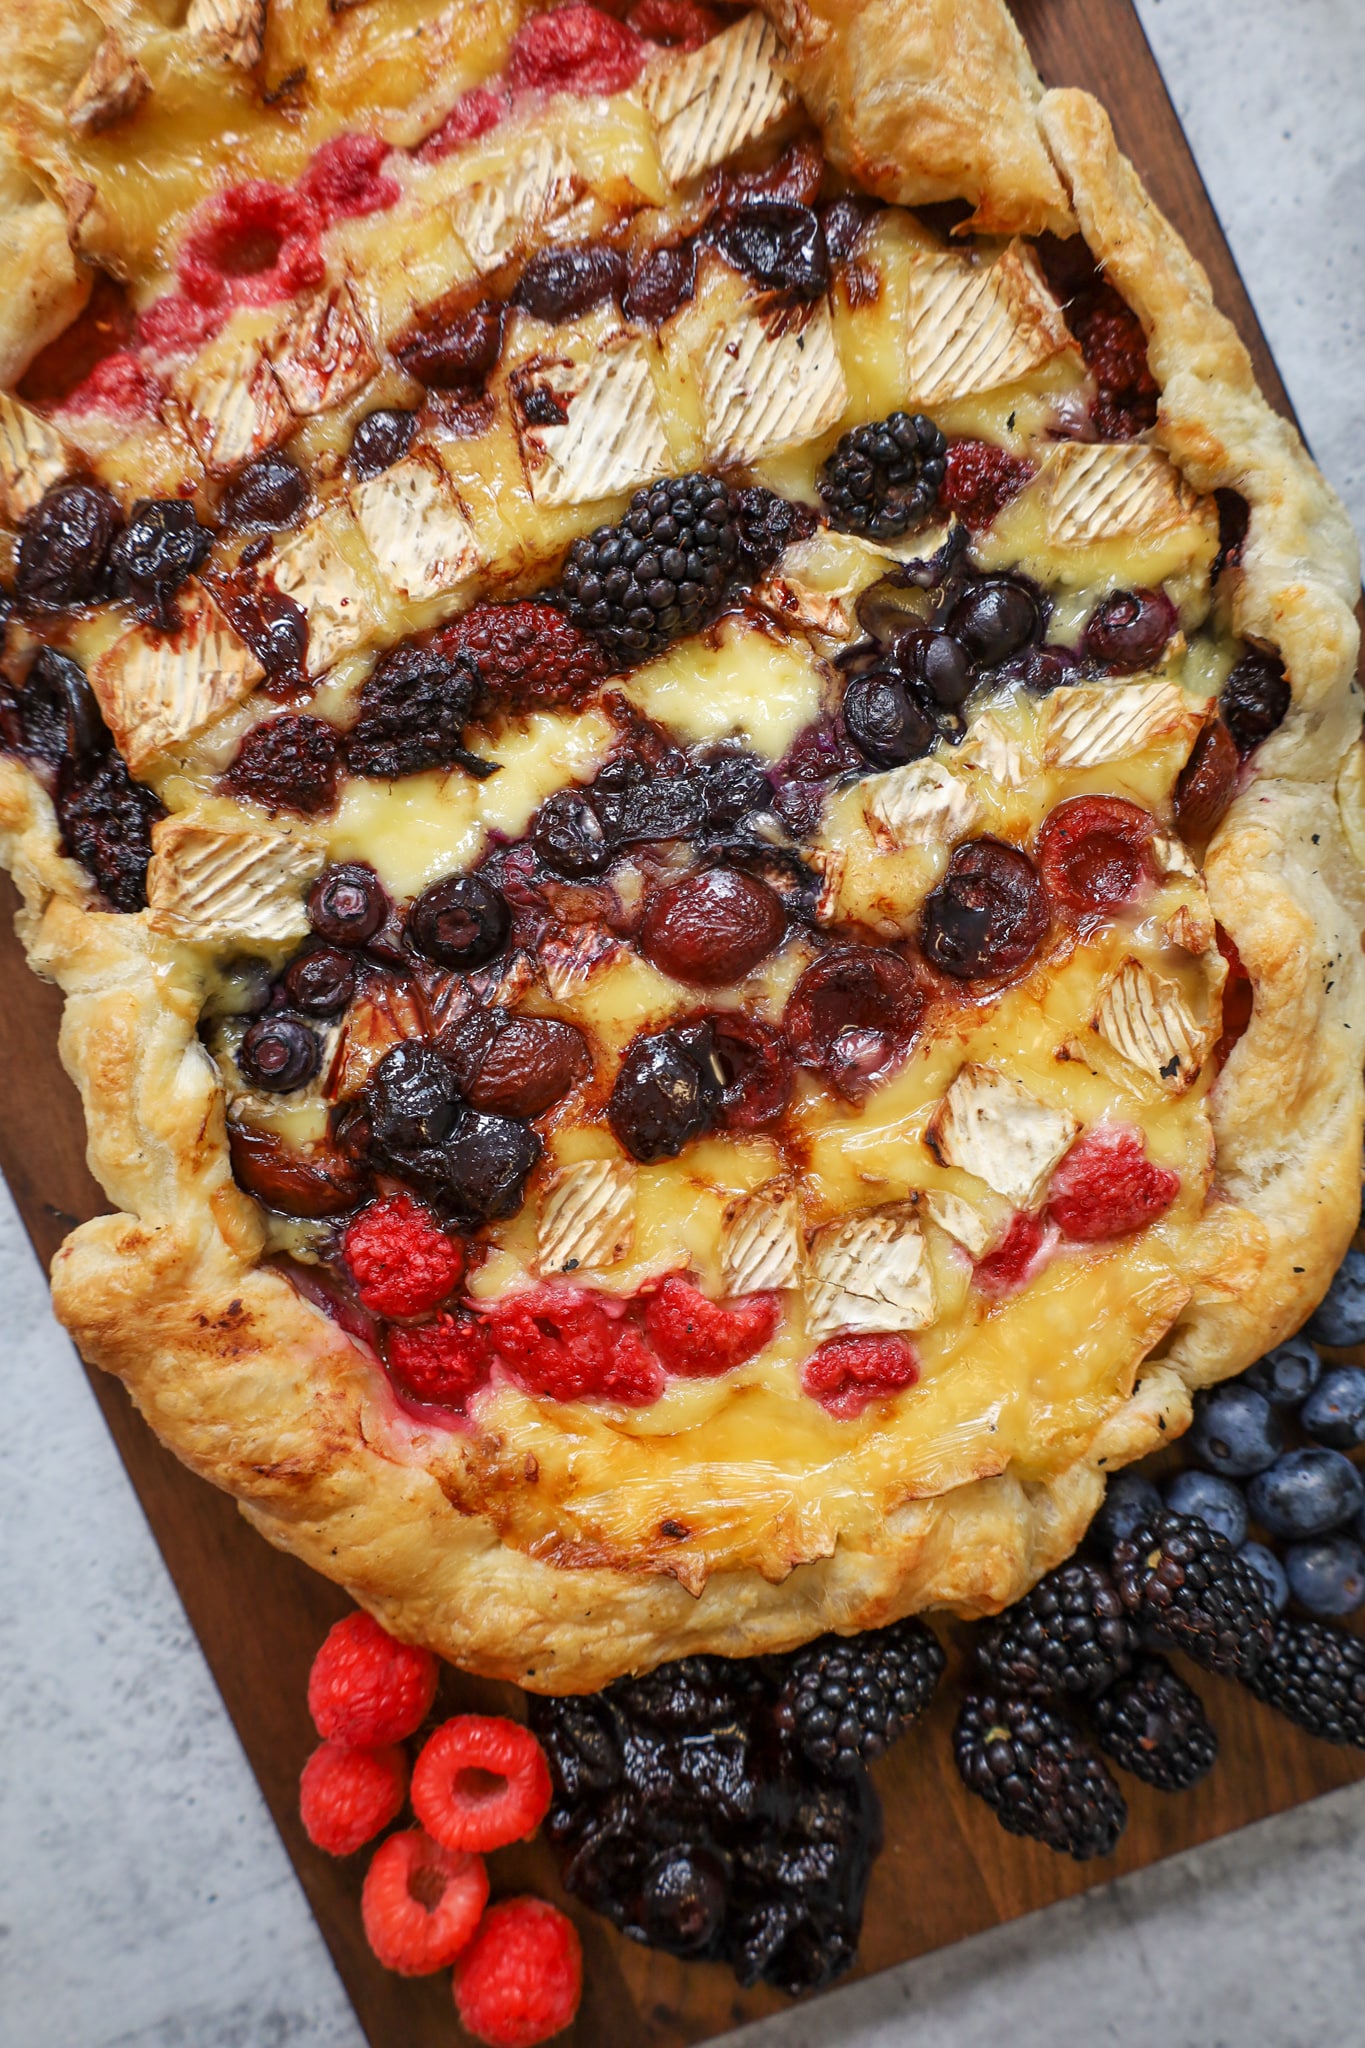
x: 261, y: 1394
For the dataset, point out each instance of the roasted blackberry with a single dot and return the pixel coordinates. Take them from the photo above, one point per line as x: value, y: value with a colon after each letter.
x: 1070, y: 1634
x: 106, y: 824
x: 1186, y: 1589
x: 659, y: 574
x: 848, y: 1698
x: 412, y: 713
x: 1315, y: 1674
x: 768, y: 525
x: 1154, y: 1725
x: 1040, y: 1776
x: 884, y: 478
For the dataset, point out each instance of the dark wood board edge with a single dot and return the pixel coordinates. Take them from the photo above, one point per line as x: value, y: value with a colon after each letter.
x: 259, y: 1615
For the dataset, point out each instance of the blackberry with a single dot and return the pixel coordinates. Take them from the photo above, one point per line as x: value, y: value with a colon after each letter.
x: 1186, y: 1589
x: 1154, y: 1725
x: 885, y: 477
x: 1070, y: 1634
x: 768, y: 525
x: 412, y: 712
x: 106, y: 824
x: 1315, y: 1674
x: 1038, y: 1774
x: 289, y: 763
x: 849, y: 1698
x: 660, y: 574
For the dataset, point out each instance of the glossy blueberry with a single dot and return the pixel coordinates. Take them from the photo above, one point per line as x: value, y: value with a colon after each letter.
x: 1306, y: 1493
x: 1341, y: 1317
x: 1327, y: 1578
x: 1236, y: 1432
x: 1130, y: 1499
x: 1334, y: 1412
x: 1270, y: 1572
x: 279, y: 1054
x: 1217, y: 1502
x: 1287, y: 1375
x: 461, y: 922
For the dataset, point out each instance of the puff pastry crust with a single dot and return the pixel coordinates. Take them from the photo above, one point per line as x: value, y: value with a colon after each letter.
x: 263, y: 1395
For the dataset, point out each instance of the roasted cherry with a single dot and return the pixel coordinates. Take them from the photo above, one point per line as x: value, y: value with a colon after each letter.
x: 320, y: 982
x: 780, y: 246
x: 1207, y: 782
x: 568, y: 835
x: 1040, y: 669
x: 1095, y: 852
x: 461, y: 922
x: 1128, y: 629
x: 560, y: 283
x: 942, y: 666
x: 483, y: 1168
x: 733, y: 785
x: 381, y: 439
x: 279, y: 1054
x: 272, y: 625
x: 883, y: 720
x: 993, y: 619
x: 660, y: 282
x: 667, y: 1091
x: 712, y: 927
x: 989, y: 915
x: 683, y: 1899
x: 64, y: 547
x: 853, y: 1016
x: 347, y: 904
x: 458, y: 353
x: 1254, y: 699
x: 413, y: 1099
x: 843, y: 221
x: 318, y: 1181
x: 756, y: 1064
x: 59, y: 717
x: 268, y: 493
x: 162, y: 544
x: 514, y: 1065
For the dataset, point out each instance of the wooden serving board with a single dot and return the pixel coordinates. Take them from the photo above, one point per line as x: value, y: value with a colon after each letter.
x: 947, y: 1870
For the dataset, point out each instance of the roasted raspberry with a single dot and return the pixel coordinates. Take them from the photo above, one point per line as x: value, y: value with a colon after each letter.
x: 421, y: 1903
x: 527, y: 655
x: 1095, y: 852
x: 1014, y: 1260
x: 401, y: 1260
x: 675, y: 24
x: 566, y: 1344
x: 1107, y: 1186
x: 520, y: 1980
x: 442, y: 1362
x: 119, y: 384
x: 474, y: 113
x: 347, y: 1795
x: 291, y: 763
x: 575, y: 49
x: 980, y: 480
x: 344, y: 179
x: 175, y: 324
x: 884, y: 478
x: 106, y: 824
x: 698, y: 1338
x: 480, y: 1783
x: 1239, y: 1001
x: 252, y: 245
x: 1115, y: 348
x: 847, y: 1374
x: 411, y: 713
x: 365, y: 1688
x: 712, y: 927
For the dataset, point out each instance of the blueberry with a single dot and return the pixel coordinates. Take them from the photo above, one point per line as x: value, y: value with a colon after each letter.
x: 1341, y: 1318
x: 1236, y: 1431
x: 1130, y: 1499
x: 1327, y: 1578
x: 1269, y: 1571
x: 1306, y: 1493
x: 1217, y: 1502
x: 1286, y: 1375
x: 1334, y: 1412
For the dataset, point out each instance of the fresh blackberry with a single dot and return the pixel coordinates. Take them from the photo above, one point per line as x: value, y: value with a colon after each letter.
x: 849, y: 1698
x: 1315, y: 1674
x: 1070, y: 1634
x: 884, y: 478
x: 659, y: 574
x: 1154, y: 1725
x: 1040, y: 1776
x: 1186, y: 1589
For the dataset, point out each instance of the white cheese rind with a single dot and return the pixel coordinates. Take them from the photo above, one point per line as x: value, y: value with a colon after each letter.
x: 974, y: 326
x: 233, y: 31
x: 921, y: 804
x: 993, y: 1127
x: 714, y: 100
x: 157, y: 690
x: 312, y: 570
x: 322, y: 354
x: 493, y: 216
x: 211, y: 884
x: 1115, y: 491
x: 763, y: 391
x: 234, y: 405
x: 415, y: 527
x: 613, y: 439
x: 112, y: 88
x: 761, y: 1245
x: 870, y: 1274
x: 1148, y: 1022
x: 33, y: 457
x: 996, y: 754
x: 568, y: 959
x: 587, y: 1217
x: 1087, y: 727
x: 963, y: 1223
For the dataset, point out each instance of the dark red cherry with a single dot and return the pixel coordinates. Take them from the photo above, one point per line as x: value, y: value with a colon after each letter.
x: 460, y: 352
x: 712, y: 927
x: 1254, y: 699
x: 853, y: 1016
x: 279, y: 1054
x: 1207, y: 782
x: 269, y: 493
x: 316, y: 1181
x: 1095, y: 852
x: 514, y: 1065
x: 988, y: 916
x: 64, y: 547
x: 559, y: 283
x: 381, y: 439
x: 461, y: 922
x: 347, y: 904
x: 883, y: 720
x: 661, y: 282
x: 994, y: 619
x: 756, y: 1063
x: 1128, y: 629
x: 782, y: 247
x: 667, y: 1092
x: 569, y: 837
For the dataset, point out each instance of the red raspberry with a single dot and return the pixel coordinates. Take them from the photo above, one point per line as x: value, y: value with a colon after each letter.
x: 421, y: 1903
x: 344, y: 180
x: 1095, y: 852
x: 1014, y: 1260
x: 698, y: 1338
x: 528, y: 655
x: 174, y: 325
x: 848, y: 1374
x: 980, y: 481
x: 347, y: 1795
x: 117, y: 384
x: 520, y: 1979
x: 367, y: 1689
x: 251, y: 246
x: 575, y: 49
x: 400, y: 1258
x: 474, y: 114
x: 1107, y: 1186
x: 1239, y: 1000
x: 1115, y: 349
x: 676, y: 24
x: 569, y: 1345
x: 443, y: 1362
x: 480, y: 1783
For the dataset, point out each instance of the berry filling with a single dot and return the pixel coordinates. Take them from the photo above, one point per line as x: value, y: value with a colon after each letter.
x: 480, y: 1783
x: 565, y: 1344
x: 402, y: 1262
x: 1015, y: 1260
x: 421, y: 1903
x: 442, y: 1363
x: 698, y: 1338
x: 252, y: 245
x: 980, y: 480
x: 847, y: 1374
x: 1107, y: 1186
x: 575, y: 49
x: 1095, y: 852
x: 345, y: 180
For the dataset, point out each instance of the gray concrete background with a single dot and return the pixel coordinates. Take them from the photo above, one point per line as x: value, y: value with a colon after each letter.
x: 145, y: 1900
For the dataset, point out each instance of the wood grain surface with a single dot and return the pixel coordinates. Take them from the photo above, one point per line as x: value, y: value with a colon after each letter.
x: 948, y: 1870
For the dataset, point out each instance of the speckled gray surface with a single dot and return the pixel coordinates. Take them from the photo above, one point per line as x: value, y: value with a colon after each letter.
x: 145, y: 1901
